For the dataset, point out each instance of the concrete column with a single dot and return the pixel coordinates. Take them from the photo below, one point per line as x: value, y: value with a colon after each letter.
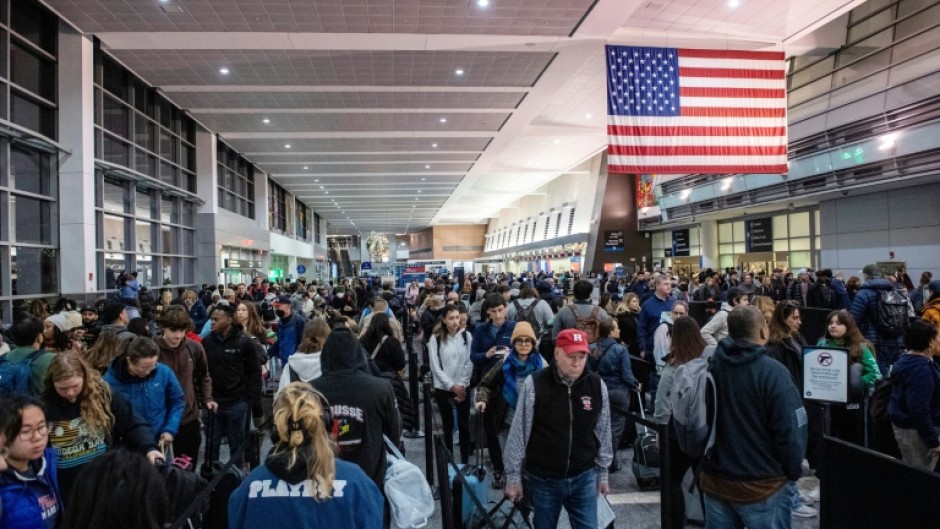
x: 709, y: 241
x: 208, y: 260
x: 77, y: 223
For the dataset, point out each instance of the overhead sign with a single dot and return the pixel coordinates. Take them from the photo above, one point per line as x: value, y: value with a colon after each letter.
x: 826, y: 374
x: 680, y: 243
x: 613, y: 241
x: 759, y: 235
x: 238, y: 263
x: 366, y: 265
x: 413, y: 270
x: 301, y: 269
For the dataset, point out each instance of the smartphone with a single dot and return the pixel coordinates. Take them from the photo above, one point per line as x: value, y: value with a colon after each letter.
x: 501, y: 351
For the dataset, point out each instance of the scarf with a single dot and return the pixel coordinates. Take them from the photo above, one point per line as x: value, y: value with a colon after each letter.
x: 514, y: 367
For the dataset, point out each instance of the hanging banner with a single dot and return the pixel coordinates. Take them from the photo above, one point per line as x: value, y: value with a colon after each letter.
x: 645, y: 198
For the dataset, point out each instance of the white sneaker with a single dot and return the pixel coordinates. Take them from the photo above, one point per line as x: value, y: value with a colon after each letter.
x: 805, y: 511
x: 807, y: 500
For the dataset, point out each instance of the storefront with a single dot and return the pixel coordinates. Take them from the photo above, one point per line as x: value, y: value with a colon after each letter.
x: 241, y: 265
x: 764, y: 242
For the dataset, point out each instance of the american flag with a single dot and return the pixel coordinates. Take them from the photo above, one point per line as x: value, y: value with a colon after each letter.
x: 696, y: 111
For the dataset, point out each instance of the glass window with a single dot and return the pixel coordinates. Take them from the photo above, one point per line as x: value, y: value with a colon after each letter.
x: 116, y: 117
x: 32, y: 115
x: 144, y: 204
x: 724, y: 233
x: 171, y: 239
x: 780, y: 227
x: 35, y: 24
x: 144, y: 232
x: 189, y: 213
x: 39, y: 267
x: 32, y: 220
x: 167, y: 146
x: 168, y: 173
x: 30, y: 171
x: 146, y: 163
x: 800, y: 260
x: 187, y: 247
x: 781, y: 245
x: 169, y: 210
x: 170, y: 270
x: 116, y: 151
x: 143, y: 99
x: 145, y: 133
x: 799, y: 224
x: 113, y: 196
x: 738, y: 231
x: 799, y: 244
x: 871, y: 24
x: 186, y: 273
x: 32, y: 72
x: 115, y: 233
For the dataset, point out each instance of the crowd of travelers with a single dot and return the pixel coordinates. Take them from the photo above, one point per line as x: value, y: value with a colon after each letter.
x: 107, y: 393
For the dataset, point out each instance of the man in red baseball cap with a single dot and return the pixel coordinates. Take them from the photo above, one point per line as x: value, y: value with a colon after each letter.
x: 561, y: 430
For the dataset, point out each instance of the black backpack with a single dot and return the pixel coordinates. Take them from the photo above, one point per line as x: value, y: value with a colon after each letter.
x: 891, y: 314
x: 527, y: 314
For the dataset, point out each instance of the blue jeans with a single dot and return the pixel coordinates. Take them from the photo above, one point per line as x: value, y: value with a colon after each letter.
x: 772, y: 513
x: 231, y: 420
x: 578, y: 495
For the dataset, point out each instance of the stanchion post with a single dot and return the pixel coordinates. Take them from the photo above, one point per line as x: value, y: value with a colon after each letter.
x: 665, y: 476
x: 413, y: 387
x: 428, y: 430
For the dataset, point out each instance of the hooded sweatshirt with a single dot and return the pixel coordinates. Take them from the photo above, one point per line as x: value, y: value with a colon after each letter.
x: 716, y: 329
x: 305, y: 365
x: 761, y: 425
x: 363, y: 405
x: 915, y: 397
x: 268, y: 498
x: 31, y: 499
x: 157, y: 397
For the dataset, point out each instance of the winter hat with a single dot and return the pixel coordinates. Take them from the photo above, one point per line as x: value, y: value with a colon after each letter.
x: 934, y: 286
x: 522, y: 330
x: 59, y: 320
x: 73, y: 318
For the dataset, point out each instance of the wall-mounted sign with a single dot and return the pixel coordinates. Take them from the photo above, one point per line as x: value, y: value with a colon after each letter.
x: 238, y: 263
x: 759, y: 235
x: 366, y: 265
x: 613, y: 241
x: 680, y: 243
x: 301, y: 269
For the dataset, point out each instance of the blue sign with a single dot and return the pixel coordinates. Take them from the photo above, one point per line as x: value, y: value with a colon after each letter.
x: 301, y: 269
x: 366, y: 265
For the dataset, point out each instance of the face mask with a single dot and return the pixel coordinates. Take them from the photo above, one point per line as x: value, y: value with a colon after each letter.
x: 340, y: 295
x: 280, y: 313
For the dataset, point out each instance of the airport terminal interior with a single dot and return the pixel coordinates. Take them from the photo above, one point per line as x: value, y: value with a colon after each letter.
x: 299, y: 151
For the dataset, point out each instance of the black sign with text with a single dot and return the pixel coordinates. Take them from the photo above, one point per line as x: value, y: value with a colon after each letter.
x: 613, y: 241
x: 759, y: 235
x: 680, y: 243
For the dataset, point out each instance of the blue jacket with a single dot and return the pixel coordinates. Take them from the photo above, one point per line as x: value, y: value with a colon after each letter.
x: 486, y: 336
x: 613, y: 366
x: 158, y: 397
x: 130, y: 289
x: 650, y: 314
x: 198, y: 314
x: 640, y: 288
x: 290, y: 331
x: 265, y: 499
x: 864, y: 310
x: 841, y: 295
x: 26, y: 501
x: 915, y: 397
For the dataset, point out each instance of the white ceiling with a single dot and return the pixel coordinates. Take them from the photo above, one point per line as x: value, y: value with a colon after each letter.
x: 367, y: 95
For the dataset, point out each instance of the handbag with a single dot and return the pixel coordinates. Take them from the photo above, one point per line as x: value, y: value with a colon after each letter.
x: 409, y: 495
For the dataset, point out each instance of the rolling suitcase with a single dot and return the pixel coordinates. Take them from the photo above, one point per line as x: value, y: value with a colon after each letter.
x: 474, y: 478
x: 646, y: 455
x: 226, y: 478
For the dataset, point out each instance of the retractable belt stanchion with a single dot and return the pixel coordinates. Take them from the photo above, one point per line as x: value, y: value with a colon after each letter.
x: 413, y: 387
x: 665, y: 463
x: 429, y: 433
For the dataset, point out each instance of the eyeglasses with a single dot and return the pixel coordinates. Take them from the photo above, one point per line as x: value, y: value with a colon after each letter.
x: 524, y: 341
x: 28, y: 435
x: 143, y: 367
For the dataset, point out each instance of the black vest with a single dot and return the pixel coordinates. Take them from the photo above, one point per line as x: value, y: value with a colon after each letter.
x: 562, y: 442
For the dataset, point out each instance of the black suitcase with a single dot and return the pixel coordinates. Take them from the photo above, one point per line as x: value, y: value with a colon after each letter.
x: 646, y: 455
x: 226, y: 478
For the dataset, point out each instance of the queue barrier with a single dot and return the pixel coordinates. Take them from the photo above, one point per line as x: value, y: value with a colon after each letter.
x: 864, y: 489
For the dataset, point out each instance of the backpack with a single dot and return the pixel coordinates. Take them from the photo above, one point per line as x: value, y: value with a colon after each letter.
x: 891, y: 314
x: 587, y: 324
x: 15, y: 377
x: 692, y: 388
x: 527, y: 314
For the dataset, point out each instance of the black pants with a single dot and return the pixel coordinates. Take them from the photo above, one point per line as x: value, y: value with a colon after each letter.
x: 679, y: 464
x: 446, y: 404
x: 491, y: 426
x: 187, y: 441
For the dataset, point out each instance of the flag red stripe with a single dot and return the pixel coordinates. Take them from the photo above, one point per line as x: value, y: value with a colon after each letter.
x: 719, y: 112
x: 730, y: 73
x: 704, y: 91
x: 685, y: 169
x: 627, y: 130
x: 697, y: 150
x: 732, y: 54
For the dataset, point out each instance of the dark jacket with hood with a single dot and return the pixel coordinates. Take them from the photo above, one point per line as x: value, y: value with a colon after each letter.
x: 363, y: 405
x: 188, y: 362
x: 233, y: 366
x: 761, y: 426
x: 790, y: 353
x: 865, y: 310
x: 915, y: 397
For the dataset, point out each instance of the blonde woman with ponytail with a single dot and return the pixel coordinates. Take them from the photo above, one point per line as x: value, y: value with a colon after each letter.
x: 302, y: 484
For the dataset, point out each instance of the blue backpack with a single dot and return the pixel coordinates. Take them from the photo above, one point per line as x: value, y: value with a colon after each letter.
x: 15, y: 376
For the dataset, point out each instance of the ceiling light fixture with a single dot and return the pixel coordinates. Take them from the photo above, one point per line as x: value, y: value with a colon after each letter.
x: 483, y: 3
x: 266, y: 121
x: 458, y: 71
x: 433, y: 145
x: 427, y: 166
x: 224, y: 71
x: 587, y: 116
x: 305, y: 168
x: 443, y: 120
x: 734, y: 3
x: 287, y: 145
x: 423, y: 179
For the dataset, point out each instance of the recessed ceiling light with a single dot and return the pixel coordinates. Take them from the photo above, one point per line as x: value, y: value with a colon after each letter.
x: 419, y: 191
x: 734, y: 3
x: 443, y: 120
x: 433, y: 145
x: 458, y: 71
x: 266, y: 121
x: 587, y: 116
x: 321, y: 187
x: 423, y: 179
x: 483, y: 3
x: 326, y: 192
x: 305, y: 168
x: 224, y: 71
x: 427, y: 166
x: 317, y: 180
x: 557, y: 141
x: 287, y: 145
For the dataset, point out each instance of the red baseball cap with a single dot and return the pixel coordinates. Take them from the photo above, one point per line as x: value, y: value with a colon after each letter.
x: 573, y: 341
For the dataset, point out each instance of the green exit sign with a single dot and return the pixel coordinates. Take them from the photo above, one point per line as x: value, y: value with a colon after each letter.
x: 857, y: 155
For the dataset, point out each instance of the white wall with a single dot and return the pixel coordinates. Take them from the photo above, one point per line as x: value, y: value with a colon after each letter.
x: 858, y: 230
